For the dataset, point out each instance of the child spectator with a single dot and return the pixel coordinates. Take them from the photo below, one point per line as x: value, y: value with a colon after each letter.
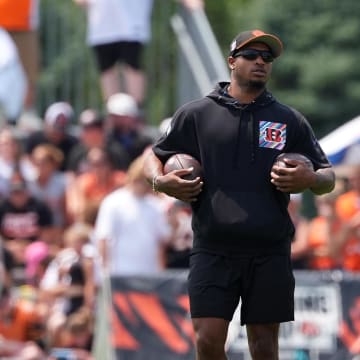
x: 68, y: 282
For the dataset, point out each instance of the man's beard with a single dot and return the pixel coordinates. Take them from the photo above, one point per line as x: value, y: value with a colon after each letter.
x: 256, y: 85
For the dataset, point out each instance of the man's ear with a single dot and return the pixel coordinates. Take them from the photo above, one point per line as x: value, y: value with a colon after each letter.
x: 231, y: 61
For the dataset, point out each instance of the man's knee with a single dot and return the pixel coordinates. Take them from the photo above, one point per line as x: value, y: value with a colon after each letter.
x: 262, y: 349
x: 210, y: 338
x: 208, y: 344
x: 263, y: 341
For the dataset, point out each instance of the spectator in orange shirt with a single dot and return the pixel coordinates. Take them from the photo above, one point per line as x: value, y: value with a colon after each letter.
x: 19, y: 319
x: 322, y: 232
x: 89, y: 188
x: 348, y: 210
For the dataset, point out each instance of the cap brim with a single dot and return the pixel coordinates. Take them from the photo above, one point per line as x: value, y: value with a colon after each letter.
x: 271, y: 41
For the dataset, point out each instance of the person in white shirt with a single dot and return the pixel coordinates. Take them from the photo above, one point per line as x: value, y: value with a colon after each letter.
x: 131, y: 229
x: 117, y: 31
x: 12, y: 76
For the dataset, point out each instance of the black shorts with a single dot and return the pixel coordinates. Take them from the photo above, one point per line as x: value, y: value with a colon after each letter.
x: 263, y: 284
x: 128, y: 52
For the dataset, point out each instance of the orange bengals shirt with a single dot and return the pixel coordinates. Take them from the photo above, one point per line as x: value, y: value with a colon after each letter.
x: 95, y: 191
x: 319, y: 233
x: 18, y: 15
x: 19, y: 327
x: 347, y: 205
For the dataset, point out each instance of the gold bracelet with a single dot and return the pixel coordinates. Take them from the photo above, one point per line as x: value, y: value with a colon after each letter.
x: 154, y: 183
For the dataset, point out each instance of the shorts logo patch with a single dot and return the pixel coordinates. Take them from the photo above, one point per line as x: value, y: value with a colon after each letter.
x: 272, y: 135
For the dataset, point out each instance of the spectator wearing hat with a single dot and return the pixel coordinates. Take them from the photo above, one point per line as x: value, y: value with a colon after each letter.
x: 125, y: 125
x: 93, y: 134
x: 57, y: 121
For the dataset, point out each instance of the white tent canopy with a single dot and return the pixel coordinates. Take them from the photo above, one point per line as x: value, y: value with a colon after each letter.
x: 342, y: 145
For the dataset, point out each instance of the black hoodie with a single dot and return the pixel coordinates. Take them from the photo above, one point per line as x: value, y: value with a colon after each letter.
x: 239, y: 211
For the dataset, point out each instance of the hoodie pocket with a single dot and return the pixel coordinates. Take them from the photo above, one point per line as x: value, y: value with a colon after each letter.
x: 250, y: 214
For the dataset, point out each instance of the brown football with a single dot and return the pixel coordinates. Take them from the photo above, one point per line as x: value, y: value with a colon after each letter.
x: 184, y: 161
x: 279, y: 161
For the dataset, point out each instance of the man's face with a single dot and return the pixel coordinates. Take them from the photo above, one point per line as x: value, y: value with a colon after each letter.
x: 251, y: 73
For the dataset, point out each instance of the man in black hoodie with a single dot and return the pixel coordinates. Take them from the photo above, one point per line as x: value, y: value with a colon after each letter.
x: 242, y: 229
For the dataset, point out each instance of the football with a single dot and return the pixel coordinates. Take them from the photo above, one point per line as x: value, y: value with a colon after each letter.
x: 279, y: 161
x: 184, y: 161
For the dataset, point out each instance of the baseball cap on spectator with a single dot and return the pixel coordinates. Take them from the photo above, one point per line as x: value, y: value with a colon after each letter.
x: 250, y: 36
x: 59, y: 115
x: 122, y: 104
x: 90, y: 118
x: 34, y: 254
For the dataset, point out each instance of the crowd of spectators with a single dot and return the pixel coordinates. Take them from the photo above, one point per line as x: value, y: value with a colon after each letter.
x: 73, y: 205
x: 330, y: 239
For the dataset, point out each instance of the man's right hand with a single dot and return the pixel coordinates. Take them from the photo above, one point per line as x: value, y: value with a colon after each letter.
x: 172, y: 184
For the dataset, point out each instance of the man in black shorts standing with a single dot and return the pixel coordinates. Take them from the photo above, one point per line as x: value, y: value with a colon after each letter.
x: 118, y: 31
x: 242, y: 230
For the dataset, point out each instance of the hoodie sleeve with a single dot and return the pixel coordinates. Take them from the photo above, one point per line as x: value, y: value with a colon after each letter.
x: 180, y: 136
x: 307, y: 143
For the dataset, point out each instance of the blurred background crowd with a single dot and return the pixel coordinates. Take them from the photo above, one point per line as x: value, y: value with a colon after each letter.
x: 73, y: 202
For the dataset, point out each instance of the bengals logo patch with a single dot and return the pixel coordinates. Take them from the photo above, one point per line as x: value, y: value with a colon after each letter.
x: 272, y: 135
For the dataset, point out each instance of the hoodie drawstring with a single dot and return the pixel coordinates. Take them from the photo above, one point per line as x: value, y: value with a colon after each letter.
x: 251, y: 132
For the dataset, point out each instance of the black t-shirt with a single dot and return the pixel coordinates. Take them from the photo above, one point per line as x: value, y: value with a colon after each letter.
x: 25, y: 222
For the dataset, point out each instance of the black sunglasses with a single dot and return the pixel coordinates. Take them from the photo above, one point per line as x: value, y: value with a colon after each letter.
x: 252, y: 54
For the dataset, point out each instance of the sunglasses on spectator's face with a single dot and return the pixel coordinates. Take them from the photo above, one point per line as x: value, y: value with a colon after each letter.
x: 252, y: 54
